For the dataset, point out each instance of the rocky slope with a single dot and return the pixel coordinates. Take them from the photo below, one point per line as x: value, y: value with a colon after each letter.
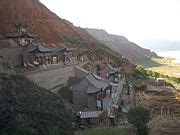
x: 121, y: 45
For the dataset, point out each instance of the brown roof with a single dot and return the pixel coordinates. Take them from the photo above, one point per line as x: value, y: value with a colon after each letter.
x: 8, y: 43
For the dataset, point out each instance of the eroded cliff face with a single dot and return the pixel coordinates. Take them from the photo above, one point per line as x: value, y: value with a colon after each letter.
x: 40, y: 20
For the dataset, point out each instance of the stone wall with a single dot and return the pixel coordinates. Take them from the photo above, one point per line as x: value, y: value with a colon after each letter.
x: 13, y: 54
x: 80, y: 99
x: 55, y: 78
x: 92, y: 101
x: 51, y: 79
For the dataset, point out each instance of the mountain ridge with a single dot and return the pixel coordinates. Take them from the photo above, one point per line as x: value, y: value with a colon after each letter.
x: 121, y: 44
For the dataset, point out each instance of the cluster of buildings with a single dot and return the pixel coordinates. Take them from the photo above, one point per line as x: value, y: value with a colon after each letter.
x: 95, y: 97
x: 24, y: 49
x: 99, y: 96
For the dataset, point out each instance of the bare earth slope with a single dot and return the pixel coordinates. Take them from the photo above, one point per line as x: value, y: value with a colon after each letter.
x: 121, y: 45
x: 40, y: 20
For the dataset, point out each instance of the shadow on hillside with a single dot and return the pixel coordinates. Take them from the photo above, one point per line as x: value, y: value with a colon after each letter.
x: 149, y: 63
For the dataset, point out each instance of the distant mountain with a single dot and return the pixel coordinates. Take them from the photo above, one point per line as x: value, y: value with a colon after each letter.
x: 121, y: 45
x: 161, y: 45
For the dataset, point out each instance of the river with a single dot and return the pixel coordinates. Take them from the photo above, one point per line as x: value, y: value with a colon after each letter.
x: 171, y: 54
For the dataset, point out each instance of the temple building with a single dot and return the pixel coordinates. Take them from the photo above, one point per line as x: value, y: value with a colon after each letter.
x: 95, y: 93
x: 109, y: 72
x: 25, y: 50
x: 41, y: 53
x: 36, y: 53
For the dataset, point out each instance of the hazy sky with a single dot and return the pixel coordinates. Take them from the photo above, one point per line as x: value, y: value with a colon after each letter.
x: 138, y: 20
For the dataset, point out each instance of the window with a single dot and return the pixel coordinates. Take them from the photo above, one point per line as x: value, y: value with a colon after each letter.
x: 54, y: 60
x: 108, y: 93
x: 99, y: 103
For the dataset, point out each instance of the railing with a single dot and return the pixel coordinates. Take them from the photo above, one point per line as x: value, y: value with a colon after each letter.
x: 50, y: 67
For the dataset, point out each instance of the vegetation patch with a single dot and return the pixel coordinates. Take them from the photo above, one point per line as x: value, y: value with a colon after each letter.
x: 163, y: 67
x: 139, y: 117
x: 28, y: 109
x: 65, y: 92
x: 105, y: 131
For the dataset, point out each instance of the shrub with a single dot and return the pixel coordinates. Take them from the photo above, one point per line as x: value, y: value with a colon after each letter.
x: 72, y: 81
x: 139, y: 117
x: 66, y: 92
x: 141, y: 69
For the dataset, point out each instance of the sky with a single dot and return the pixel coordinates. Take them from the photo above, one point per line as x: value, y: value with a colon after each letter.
x: 138, y: 20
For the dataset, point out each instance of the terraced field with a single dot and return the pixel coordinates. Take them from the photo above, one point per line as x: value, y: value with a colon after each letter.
x: 164, y: 105
x: 160, y: 100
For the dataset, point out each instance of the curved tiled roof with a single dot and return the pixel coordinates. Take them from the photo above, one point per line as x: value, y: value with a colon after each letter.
x: 95, y: 82
x: 92, y: 89
x: 38, y: 46
x: 90, y: 84
x: 110, y: 69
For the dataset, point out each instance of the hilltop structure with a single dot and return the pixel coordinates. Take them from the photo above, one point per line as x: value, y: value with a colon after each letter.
x: 21, y: 36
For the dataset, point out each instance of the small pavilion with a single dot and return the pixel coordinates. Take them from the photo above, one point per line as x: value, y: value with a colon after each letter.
x: 21, y: 36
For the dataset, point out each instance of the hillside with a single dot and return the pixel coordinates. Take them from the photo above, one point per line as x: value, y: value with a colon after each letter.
x: 40, y: 20
x: 52, y: 29
x: 28, y: 109
x: 121, y: 45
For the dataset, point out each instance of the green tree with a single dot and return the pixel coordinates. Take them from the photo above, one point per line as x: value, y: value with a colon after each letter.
x: 139, y: 117
x: 66, y: 92
x: 73, y: 80
x: 149, y: 72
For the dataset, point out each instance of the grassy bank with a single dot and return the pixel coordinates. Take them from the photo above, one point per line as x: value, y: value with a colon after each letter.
x: 163, y: 67
x: 105, y: 131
